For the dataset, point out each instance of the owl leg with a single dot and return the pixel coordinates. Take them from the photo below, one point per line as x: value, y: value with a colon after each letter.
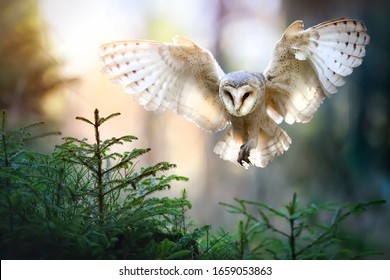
x: 245, y: 149
x: 243, y: 154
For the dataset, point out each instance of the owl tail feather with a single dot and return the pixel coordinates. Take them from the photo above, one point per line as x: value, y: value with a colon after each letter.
x: 228, y: 146
x: 268, y: 147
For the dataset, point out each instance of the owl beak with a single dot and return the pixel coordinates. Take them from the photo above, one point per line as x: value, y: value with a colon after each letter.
x: 237, y: 106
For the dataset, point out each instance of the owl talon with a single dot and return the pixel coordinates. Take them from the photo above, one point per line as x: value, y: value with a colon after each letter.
x: 243, y: 155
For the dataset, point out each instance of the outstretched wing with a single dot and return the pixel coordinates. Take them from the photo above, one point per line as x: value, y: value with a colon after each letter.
x: 309, y: 64
x: 179, y: 76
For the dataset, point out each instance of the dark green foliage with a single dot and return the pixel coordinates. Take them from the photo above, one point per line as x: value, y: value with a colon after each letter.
x: 293, y: 232
x: 83, y: 201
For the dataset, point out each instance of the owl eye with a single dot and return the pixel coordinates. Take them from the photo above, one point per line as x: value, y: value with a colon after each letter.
x: 246, y: 95
x: 229, y: 95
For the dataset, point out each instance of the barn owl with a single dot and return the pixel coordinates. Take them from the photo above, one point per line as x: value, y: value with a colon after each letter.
x: 306, y: 66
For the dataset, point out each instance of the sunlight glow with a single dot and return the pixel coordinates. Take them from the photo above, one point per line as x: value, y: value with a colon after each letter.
x: 247, y: 36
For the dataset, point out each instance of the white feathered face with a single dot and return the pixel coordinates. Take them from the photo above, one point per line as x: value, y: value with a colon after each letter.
x: 241, y: 92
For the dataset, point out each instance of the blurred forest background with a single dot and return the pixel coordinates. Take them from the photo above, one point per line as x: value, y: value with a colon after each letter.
x: 49, y: 70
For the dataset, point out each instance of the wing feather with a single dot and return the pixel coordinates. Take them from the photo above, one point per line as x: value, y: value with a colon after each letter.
x: 270, y: 144
x: 178, y: 76
x: 309, y: 64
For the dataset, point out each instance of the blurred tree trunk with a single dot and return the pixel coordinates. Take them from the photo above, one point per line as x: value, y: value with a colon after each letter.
x: 27, y: 72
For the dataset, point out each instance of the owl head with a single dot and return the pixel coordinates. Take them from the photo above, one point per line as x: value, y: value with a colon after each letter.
x: 241, y: 92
